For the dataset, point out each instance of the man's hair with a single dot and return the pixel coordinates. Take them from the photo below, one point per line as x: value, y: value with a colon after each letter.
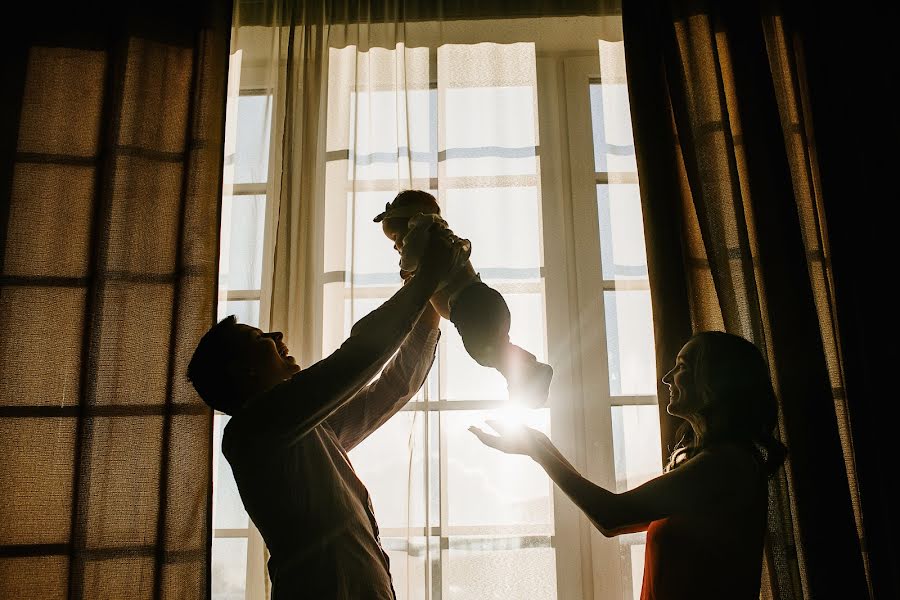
x: 208, y: 369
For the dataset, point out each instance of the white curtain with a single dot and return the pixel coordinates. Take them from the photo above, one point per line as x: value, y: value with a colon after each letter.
x: 361, y: 111
x: 406, y: 110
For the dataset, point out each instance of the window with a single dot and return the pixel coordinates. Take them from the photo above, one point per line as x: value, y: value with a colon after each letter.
x: 459, y: 520
x: 237, y: 547
x: 534, y: 162
x: 617, y: 355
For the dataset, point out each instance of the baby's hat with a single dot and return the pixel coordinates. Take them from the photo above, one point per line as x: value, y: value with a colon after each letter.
x: 404, y: 206
x: 398, y: 211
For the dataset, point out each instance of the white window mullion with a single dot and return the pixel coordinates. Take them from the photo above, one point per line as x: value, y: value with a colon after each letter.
x: 230, y: 533
x: 237, y: 295
x: 633, y: 401
x: 440, y: 586
x: 256, y: 576
x: 444, y: 562
x: 591, y: 312
x: 249, y: 189
x: 257, y: 572
x: 626, y: 285
x: 256, y: 565
x: 573, y: 550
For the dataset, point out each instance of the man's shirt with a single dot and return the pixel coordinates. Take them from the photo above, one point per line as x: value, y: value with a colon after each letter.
x: 295, y: 479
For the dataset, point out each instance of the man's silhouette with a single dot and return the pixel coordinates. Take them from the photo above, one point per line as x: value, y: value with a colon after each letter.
x: 290, y: 431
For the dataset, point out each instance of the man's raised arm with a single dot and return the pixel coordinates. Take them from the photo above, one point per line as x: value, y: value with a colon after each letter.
x: 401, y: 378
x: 295, y: 407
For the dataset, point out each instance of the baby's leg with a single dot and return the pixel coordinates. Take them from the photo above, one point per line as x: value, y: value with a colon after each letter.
x: 459, y: 281
x: 482, y: 319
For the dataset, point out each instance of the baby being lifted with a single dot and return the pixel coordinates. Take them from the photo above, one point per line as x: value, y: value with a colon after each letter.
x: 479, y: 312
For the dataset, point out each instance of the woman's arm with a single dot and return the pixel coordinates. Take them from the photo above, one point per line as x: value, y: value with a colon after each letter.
x: 726, y: 475
x: 594, y: 501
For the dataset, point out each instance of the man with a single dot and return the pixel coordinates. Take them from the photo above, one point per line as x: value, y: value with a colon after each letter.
x: 290, y: 431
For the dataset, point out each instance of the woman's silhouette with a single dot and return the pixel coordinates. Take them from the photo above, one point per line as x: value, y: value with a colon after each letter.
x: 705, y: 517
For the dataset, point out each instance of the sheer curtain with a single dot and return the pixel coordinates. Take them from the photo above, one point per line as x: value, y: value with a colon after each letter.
x: 459, y: 121
x: 408, y: 111
x: 366, y: 105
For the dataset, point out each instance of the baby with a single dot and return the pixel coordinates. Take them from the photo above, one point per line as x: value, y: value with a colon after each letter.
x: 479, y: 312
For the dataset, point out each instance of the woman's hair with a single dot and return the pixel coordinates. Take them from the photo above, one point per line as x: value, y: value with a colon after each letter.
x: 732, y: 381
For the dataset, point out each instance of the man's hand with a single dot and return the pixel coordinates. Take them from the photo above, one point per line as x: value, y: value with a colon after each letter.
x: 441, y: 253
x: 430, y: 315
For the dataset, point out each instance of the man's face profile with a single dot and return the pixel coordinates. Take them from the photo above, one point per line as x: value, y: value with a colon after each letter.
x: 262, y: 357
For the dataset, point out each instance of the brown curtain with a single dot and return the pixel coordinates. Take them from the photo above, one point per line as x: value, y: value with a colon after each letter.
x: 735, y: 211
x: 257, y: 13
x: 110, y: 166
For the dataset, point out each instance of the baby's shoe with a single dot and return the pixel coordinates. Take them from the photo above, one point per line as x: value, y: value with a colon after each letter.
x: 529, y: 383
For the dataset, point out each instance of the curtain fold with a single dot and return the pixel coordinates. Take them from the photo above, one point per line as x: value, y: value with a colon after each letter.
x: 384, y: 84
x: 298, y: 71
x: 853, y: 160
x: 256, y: 13
x: 113, y: 120
x: 737, y: 240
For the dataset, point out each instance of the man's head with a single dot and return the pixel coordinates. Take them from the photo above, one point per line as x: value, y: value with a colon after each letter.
x: 234, y: 362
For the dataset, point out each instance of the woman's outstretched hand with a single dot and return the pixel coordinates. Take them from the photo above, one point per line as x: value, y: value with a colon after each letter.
x: 512, y: 439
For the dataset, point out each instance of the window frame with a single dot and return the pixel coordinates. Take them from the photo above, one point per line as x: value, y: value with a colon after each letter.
x: 587, y: 286
x: 571, y: 275
x: 251, y: 82
x: 431, y: 399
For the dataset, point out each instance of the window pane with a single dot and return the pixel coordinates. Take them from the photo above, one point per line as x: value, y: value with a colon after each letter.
x: 489, y: 572
x: 611, y: 121
x: 228, y: 509
x: 252, y: 150
x: 487, y: 98
x: 637, y: 569
x: 503, y: 225
x: 391, y: 464
x: 631, y: 563
x: 408, y: 565
x: 371, y: 257
x: 390, y: 129
x: 629, y: 334
x: 246, y: 311
x: 636, y: 445
x: 465, y: 379
x: 241, y: 269
x: 623, y: 253
x: 489, y: 131
x: 497, y: 492
x: 637, y: 451
x: 527, y: 328
x: 229, y: 568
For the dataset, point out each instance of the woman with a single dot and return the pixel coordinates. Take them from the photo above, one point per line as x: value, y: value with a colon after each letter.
x: 705, y: 517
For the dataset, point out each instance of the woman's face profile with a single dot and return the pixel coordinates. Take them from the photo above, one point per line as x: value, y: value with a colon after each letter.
x: 683, y: 399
